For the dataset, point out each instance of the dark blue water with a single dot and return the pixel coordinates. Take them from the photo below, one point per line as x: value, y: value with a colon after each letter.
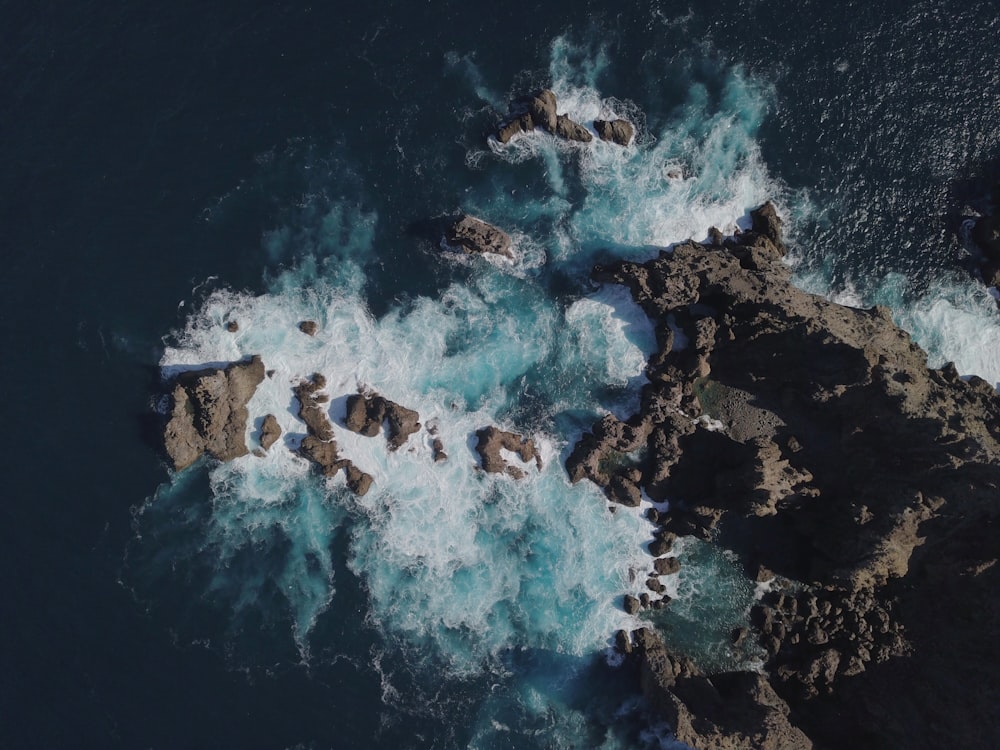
x: 149, y: 157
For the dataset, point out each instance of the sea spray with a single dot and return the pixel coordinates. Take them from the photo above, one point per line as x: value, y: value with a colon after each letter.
x: 466, y: 575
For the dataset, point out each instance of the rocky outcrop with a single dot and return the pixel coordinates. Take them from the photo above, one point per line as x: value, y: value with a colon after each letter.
x: 270, y: 431
x: 725, y: 711
x: 309, y: 327
x: 539, y: 110
x: 209, y: 412
x: 615, y: 131
x: 492, y: 441
x: 812, y: 439
x: 319, y: 445
x: 476, y: 236
x: 366, y: 412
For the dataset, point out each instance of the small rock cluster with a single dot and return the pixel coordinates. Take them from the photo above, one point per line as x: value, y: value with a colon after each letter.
x: 538, y: 110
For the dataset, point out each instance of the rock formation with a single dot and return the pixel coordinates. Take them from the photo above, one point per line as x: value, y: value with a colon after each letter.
x: 209, y: 412
x: 813, y: 440
x: 615, y: 131
x: 270, y: 431
x: 491, y: 441
x: 721, y: 711
x: 367, y: 412
x: 309, y: 327
x: 319, y: 446
x: 476, y: 236
x: 539, y: 110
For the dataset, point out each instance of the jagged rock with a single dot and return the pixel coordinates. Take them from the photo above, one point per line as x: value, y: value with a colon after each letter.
x: 438, y: 448
x: 667, y: 566
x: 492, y: 440
x: 615, y: 131
x: 476, y: 236
x: 367, y: 412
x: 519, y: 124
x: 309, y: 327
x: 319, y: 445
x: 572, y: 131
x: 838, y: 461
x: 631, y: 604
x: 727, y: 710
x: 662, y: 545
x: 270, y: 431
x: 209, y: 412
x: 311, y: 410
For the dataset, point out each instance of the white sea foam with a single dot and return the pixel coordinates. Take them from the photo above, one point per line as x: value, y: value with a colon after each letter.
x: 461, y: 567
x: 954, y: 320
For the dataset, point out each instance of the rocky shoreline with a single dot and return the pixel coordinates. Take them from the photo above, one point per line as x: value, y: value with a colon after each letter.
x: 862, y: 487
x: 859, y: 489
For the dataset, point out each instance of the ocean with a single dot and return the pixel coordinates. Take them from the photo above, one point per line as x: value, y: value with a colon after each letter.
x: 166, y: 170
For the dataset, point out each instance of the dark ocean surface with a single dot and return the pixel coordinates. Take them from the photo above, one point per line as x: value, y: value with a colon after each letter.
x: 162, y: 169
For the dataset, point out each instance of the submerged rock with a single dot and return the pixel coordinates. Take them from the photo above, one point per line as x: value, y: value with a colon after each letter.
x: 476, y: 236
x: 209, y: 412
x: 491, y: 441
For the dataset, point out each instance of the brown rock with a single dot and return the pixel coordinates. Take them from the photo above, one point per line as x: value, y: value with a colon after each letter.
x: 367, y: 412
x: 572, y: 131
x: 666, y: 566
x: 616, y: 131
x: 309, y: 327
x: 492, y: 440
x: 209, y: 412
x: 270, y: 431
x: 476, y: 236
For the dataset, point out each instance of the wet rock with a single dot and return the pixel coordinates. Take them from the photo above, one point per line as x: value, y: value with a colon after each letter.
x: 476, y: 236
x: 491, y: 441
x: 270, y: 431
x: 631, y: 604
x: 572, y: 131
x: 309, y: 327
x: 813, y: 441
x: 232, y: 326
x: 319, y: 446
x: 209, y: 412
x: 725, y: 710
x: 438, y: 449
x: 366, y: 413
x: 666, y: 566
x: 615, y: 131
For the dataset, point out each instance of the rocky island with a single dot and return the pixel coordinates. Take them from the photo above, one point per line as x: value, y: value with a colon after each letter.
x: 859, y: 489
x: 858, y: 486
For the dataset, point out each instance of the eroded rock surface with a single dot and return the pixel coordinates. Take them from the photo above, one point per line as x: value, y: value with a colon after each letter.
x: 319, y: 445
x: 813, y: 439
x: 615, y: 131
x: 492, y: 441
x: 209, y: 412
x: 366, y: 413
x: 476, y: 236
x: 270, y: 431
x: 725, y: 711
x: 539, y: 110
